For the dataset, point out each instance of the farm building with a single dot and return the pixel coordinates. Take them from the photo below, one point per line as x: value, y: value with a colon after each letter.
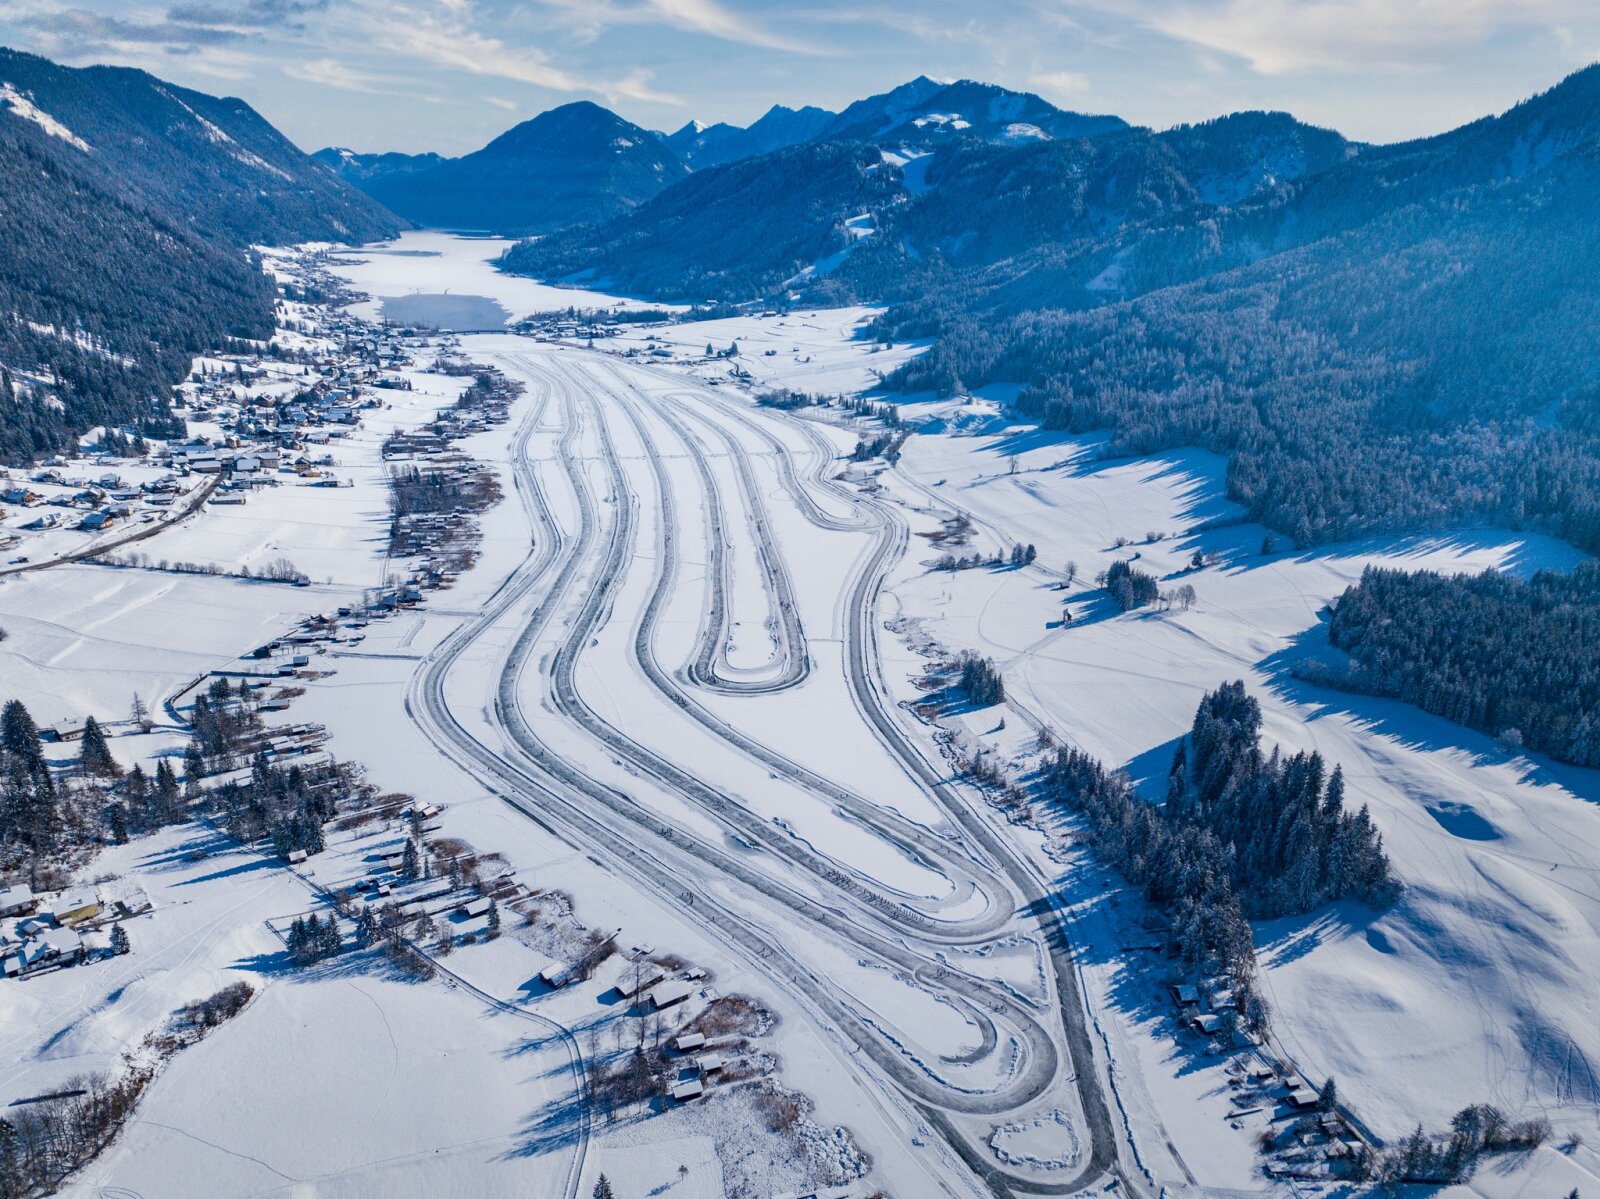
x: 670, y: 993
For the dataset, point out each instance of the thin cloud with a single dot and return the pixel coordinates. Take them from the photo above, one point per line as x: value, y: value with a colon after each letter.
x: 1279, y: 37
x: 589, y: 19
x: 444, y: 38
x: 82, y: 30
x: 1060, y: 83
x: 330, y: 72
x: 253, y: 14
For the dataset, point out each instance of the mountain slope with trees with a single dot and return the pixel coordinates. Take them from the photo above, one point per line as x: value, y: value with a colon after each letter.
x: 573, y: 164
x: 735, y: 231
x: 1427, y: 367
x: 129, y: 207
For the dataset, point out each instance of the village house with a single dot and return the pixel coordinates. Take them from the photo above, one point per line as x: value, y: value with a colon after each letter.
x: 17, y: 900
x: 74, y: 907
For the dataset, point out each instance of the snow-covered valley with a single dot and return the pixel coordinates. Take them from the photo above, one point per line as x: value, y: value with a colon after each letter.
x: 680, y: 685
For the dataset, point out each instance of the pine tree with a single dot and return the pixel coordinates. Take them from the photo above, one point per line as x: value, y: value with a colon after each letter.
x: 118, y: 822
x: 95, y: 757
x: 331, y: 942
x: 194, y: 768
x: 139, y: 714
x: 494, y: 920
x: 602, y: 1189
x: 19, y: 737
x: 137, y: 788
x: 1328, y: 1096
x: 168, y: 798
x: 119, y: 940
x: 409, y: 866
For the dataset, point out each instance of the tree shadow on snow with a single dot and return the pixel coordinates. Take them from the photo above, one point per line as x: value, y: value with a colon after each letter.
x: 199, y: 842
x: 1412, y: 728
x: 1137, y: 975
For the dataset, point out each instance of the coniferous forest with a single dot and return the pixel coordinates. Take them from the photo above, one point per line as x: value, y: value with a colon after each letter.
x: 1510, y: 658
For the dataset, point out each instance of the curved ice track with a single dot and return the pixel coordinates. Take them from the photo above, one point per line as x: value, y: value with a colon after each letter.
x: 565, y: 798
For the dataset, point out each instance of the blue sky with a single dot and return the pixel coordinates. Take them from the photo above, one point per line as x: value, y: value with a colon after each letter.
x: 448, y: 75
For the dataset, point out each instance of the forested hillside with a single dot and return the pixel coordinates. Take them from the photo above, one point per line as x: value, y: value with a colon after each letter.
x: 740, y: 230
x: 934, y: 211
x: 129, y: 206
x: 1431, y: 366
x: 1512, y: 659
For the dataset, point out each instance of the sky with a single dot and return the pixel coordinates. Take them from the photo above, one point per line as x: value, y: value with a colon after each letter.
x: 449, y: 75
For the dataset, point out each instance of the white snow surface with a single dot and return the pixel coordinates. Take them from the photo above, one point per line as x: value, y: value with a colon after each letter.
x: 421, y: 262
x: 1477, y: 985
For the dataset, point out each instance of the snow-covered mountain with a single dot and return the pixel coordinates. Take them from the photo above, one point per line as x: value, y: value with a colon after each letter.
x: 711, y: 145
x: 924, y: 112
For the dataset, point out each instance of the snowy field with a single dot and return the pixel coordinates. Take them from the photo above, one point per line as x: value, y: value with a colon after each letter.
x: 1479, y: 981
x: 674, y: 688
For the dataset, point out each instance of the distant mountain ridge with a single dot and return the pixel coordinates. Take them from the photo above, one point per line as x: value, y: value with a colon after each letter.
x: 942, y: 198
x: 127, y: 209
x: 582, y: 164
x: 353, y: 167
x: 924, y: 112
x: 572, y: 164
x: 702, y: 146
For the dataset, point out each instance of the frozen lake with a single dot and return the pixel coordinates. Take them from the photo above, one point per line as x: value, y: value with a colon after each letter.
x: 444, y: 311
x: 426, y: 277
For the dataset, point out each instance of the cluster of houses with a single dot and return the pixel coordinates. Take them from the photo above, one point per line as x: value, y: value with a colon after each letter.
x: 566, y: 326
x: 1306, y: 1135
x: 1305, y: 1138
x: 90, y: 504
x: 655, y: 990
x: 277, y: 417
x: 42, y: 931
x: 432, y: 893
